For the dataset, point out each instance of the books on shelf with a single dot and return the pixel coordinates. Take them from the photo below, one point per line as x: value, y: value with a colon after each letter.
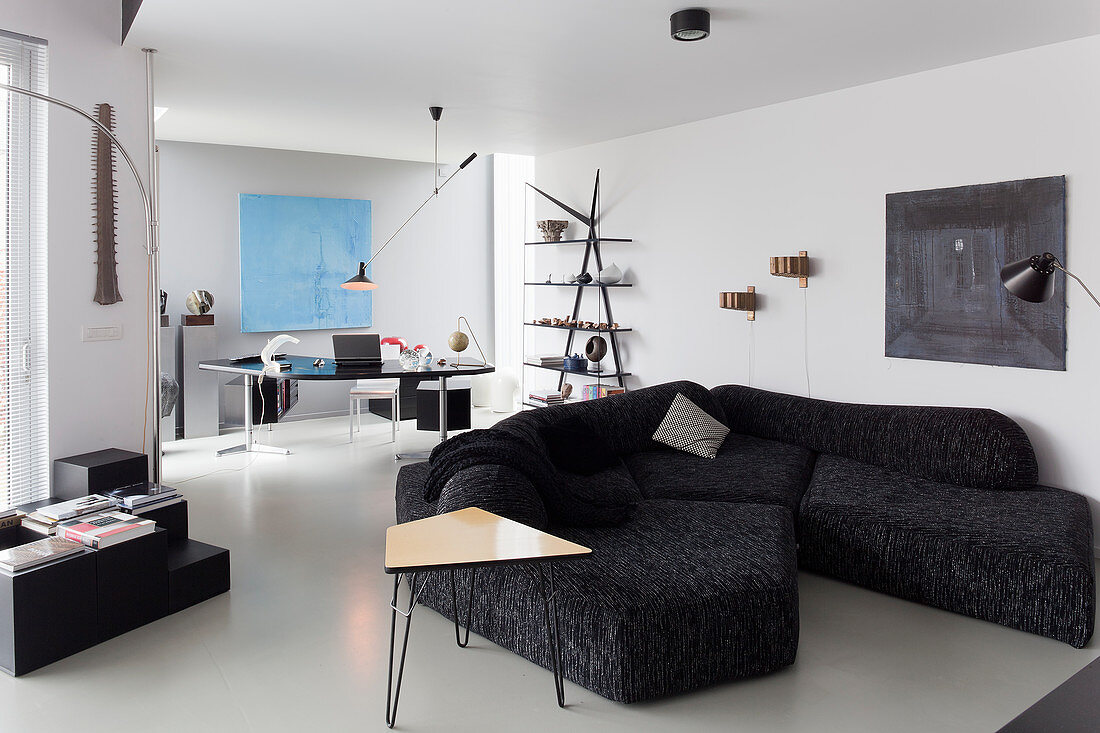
x: 36, y: 553
x: 142, y: 497
x: 98, y: 531
x: 39, y: 523
x: 11, y: 518
x: 547, y: 396
x: 596, y: 391
x: 75, y: 507
x: 546, y: 359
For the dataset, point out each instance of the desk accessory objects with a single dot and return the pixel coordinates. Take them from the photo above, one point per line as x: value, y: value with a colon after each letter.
x: 459, y: 342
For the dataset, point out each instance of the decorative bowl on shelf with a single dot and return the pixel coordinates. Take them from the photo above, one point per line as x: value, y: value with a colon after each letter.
x: 575, y: 363
x: 552, y: 229
x: 610, y: 274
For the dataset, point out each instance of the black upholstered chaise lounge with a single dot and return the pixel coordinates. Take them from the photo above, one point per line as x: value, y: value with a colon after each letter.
x: 699, y: 586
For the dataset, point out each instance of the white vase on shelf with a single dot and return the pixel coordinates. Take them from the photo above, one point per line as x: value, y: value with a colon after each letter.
x: 610, y: 275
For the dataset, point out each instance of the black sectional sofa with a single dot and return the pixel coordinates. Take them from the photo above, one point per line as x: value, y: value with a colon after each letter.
x: 699, y: 586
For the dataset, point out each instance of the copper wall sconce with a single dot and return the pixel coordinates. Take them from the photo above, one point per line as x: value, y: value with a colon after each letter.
x: 738, y: 301
x: 792, y: 267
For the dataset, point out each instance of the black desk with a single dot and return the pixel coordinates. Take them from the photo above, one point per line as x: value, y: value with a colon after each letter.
x: 301, y: 367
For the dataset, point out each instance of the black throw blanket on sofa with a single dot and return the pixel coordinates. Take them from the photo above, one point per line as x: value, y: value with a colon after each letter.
x: 570, y: 499
x: 478, y: 448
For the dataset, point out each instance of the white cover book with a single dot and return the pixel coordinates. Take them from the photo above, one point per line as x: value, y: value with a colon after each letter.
x: 35, y: 553
x: 75, y: 507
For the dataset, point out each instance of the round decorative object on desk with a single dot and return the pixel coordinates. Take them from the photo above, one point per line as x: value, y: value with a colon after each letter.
x: 409, y: 359
x: 595, y: 349
x: 610, y: 274
x: 458, y: 341
x: 425, y: 356
x: 200, y: 302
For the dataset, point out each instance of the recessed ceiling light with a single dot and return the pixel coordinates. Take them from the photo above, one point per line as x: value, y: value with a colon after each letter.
x: 692, y: 24
x: 158, y: 112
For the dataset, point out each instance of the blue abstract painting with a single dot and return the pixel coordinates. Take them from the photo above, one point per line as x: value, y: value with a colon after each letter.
x: 295, y: 253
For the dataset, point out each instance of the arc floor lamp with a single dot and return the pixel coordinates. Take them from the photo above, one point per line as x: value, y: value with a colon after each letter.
x: 1031, y: 278
x: 360, y: 281
x: 152, y: 239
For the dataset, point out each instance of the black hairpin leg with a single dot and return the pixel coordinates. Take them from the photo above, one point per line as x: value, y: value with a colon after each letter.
x: 550, y: 613
x: 469, y: 607
x: 394, y: 693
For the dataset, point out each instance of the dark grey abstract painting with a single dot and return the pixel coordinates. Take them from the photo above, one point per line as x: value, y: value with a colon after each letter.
x: 944, y: 252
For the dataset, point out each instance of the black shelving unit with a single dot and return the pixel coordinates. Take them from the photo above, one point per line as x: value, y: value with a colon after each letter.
x: 592, y: 255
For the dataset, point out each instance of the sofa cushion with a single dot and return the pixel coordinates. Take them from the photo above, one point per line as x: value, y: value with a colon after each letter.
x: 966, y: 446
x: 745, y: 469
x: 688, y: 428
x: 685, y: 595
x: 497, y: 489
x: 603, y: 499
x: 575, y: 447
x: 1018, y: 558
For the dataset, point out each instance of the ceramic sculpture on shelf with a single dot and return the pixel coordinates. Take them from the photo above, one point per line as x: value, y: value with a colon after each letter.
x: 595, y: 350
x: 552, y: 229
x: 610, y: 274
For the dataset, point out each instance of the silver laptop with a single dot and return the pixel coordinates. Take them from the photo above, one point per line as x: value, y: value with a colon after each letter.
x: 359, y: 349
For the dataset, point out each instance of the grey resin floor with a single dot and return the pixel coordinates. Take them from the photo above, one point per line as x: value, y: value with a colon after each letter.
x: 299, y: 644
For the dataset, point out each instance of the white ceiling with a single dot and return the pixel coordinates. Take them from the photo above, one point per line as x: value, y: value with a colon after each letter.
x: 527, y: 76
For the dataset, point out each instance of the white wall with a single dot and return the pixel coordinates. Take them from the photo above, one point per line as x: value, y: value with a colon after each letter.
x: 97, y: 390
x: 709, y: 202
x: 438, y: 268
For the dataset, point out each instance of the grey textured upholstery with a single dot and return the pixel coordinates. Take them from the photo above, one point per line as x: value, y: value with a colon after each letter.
x: 698, y: 586
x: 964, y: 446
x: 497, y: 489
x: 687, y: 594
x: 1018, y: 558
x: 746, y: 469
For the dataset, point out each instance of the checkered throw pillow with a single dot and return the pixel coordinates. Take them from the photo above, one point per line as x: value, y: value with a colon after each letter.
x: 689, y: 428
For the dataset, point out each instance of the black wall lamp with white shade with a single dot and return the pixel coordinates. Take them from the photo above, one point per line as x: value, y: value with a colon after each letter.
x: 360, y: 281
x: 690, y: 24
x: 1032, y: 278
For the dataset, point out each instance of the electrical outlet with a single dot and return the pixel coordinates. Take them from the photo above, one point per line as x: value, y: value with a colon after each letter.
x: 101, y: 333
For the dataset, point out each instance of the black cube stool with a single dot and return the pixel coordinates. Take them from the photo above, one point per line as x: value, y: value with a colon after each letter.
x: 458, y: 404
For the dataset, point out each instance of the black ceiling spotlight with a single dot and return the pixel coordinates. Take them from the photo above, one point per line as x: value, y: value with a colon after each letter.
x: 692, y: 24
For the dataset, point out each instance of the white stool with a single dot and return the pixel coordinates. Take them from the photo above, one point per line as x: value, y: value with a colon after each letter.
x: 374, y: 389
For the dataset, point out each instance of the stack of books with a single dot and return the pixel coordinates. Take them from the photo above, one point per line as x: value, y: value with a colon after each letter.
x: 556, y: 361
x: 144, y: 497
x: 45, y: 519
x: 37, y: 553
x: 98, y: 531
x: 11, y: 518
x: 547, y: 397
x: 596, y: 391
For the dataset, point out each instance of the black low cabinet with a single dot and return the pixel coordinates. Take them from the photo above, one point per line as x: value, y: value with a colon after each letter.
x: 132, y: 584
x: 48, y: 613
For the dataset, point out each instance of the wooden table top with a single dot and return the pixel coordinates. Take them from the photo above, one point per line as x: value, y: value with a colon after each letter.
x: 470, y: 538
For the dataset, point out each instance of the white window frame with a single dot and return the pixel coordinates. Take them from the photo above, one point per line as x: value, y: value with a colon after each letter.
x: 24, y: 376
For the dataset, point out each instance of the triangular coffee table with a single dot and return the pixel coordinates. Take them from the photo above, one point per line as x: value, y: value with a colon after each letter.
x: 469, y: 539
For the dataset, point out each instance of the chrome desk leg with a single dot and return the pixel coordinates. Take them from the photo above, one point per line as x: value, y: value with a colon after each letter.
x: 442, y: 408
x: 250, y: 445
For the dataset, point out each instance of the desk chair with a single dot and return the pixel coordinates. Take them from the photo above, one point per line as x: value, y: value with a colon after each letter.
x: 374, y: 389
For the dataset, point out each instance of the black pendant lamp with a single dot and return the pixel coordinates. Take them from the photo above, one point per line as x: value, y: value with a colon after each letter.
x: 360, y: 281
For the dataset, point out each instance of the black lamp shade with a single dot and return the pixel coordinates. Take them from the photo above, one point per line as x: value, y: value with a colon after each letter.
x: 1031, y: 279
x: 359, y: 281
x: 692, y: 24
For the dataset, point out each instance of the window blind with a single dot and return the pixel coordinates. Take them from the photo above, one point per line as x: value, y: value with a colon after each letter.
x: 24, y: 409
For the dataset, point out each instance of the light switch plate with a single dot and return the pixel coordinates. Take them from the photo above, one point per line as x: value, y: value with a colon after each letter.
x: 101, y: 333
